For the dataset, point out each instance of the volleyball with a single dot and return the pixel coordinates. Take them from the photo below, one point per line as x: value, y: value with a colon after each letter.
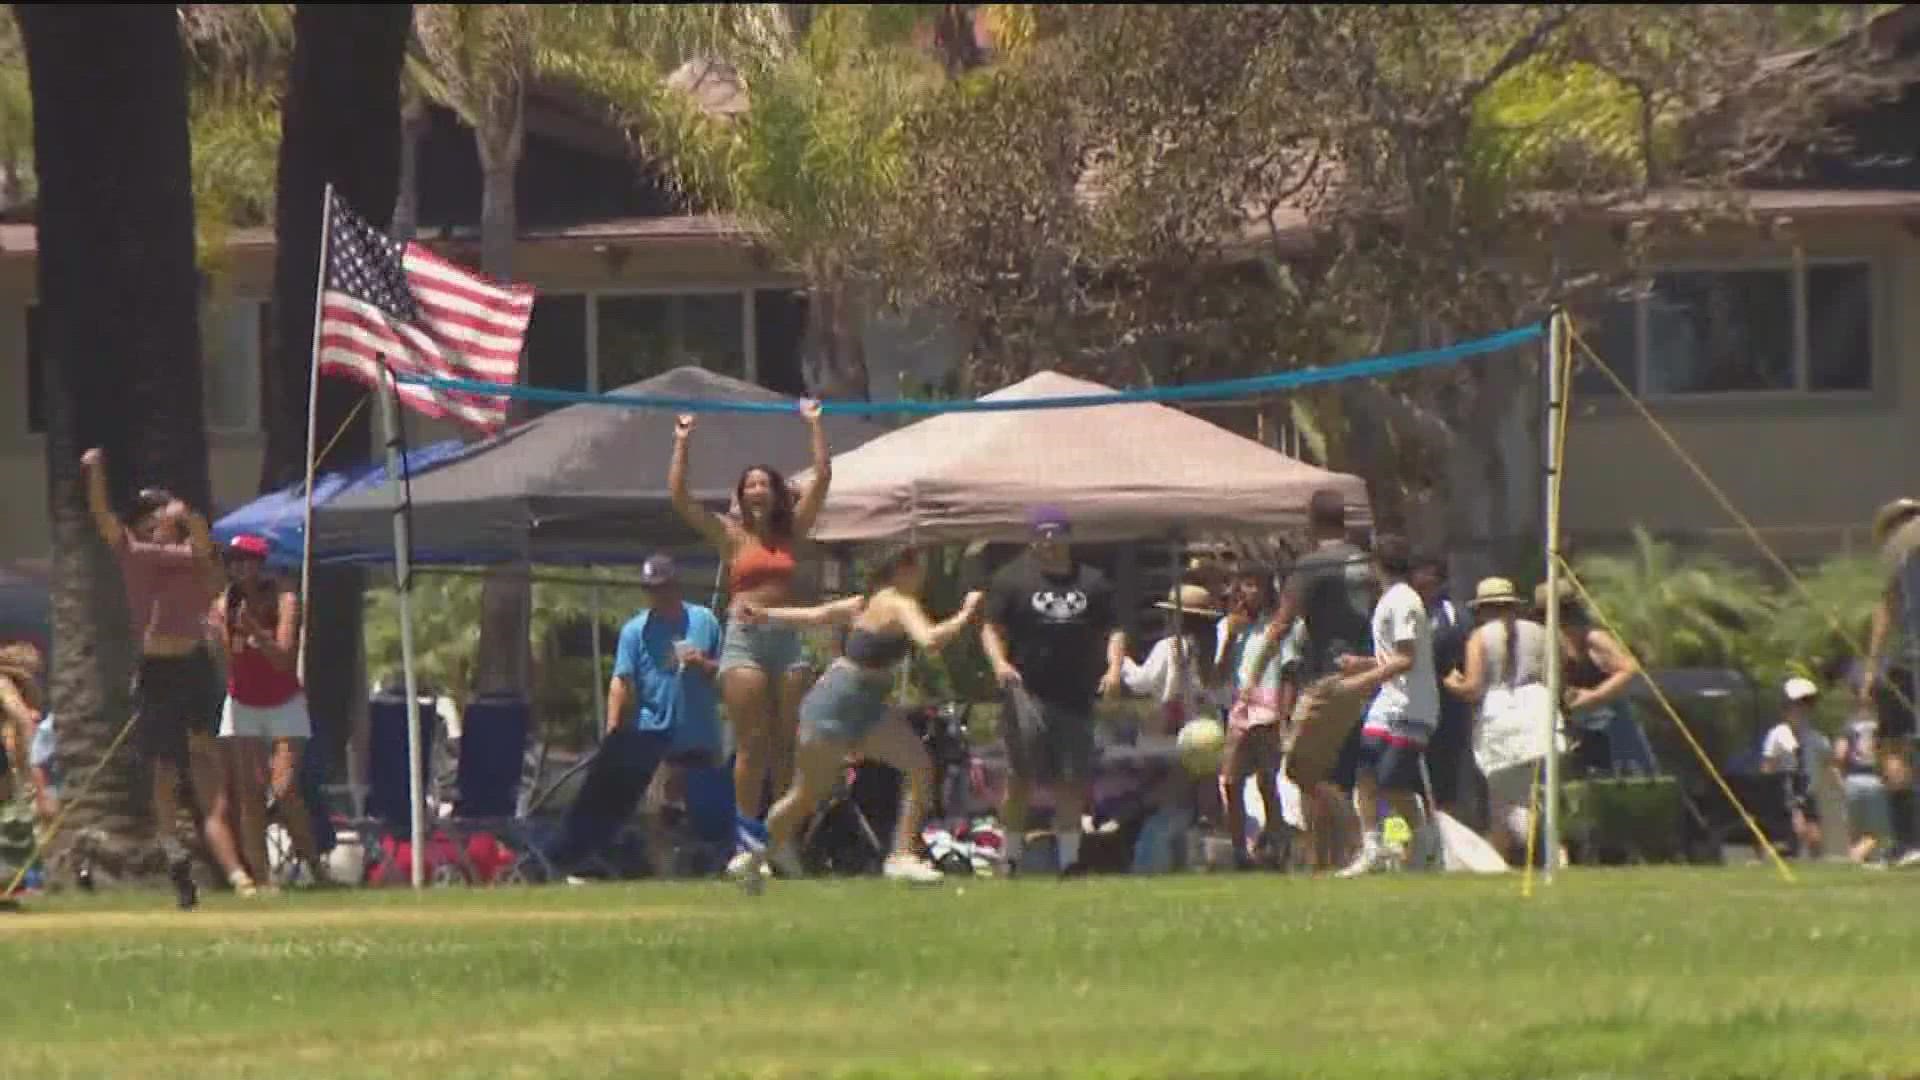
x: 1202, y: 743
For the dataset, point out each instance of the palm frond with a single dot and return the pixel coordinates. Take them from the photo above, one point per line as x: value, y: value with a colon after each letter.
x: 1679, y: 610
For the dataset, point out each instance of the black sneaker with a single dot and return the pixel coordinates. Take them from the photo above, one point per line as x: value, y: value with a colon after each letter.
x: 185, y: 892
x: 1073, y: 870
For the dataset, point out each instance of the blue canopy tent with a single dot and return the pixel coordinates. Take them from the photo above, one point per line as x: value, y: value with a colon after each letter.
x: 280, y: 516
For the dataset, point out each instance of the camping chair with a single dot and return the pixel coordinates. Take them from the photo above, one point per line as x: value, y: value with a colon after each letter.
x: 492, y: 764
x: 389, y: 810
x: 840, y: 837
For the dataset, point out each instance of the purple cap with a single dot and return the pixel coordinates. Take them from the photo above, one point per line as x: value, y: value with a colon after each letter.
x: 658, y: 570
x: 1046, y: 520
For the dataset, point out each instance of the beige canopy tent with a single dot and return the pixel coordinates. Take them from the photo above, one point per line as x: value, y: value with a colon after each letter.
x: 1120, y: 472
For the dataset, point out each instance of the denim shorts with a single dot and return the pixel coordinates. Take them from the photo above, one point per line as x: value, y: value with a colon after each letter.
x: 845, y: 705
x: 775, y: 650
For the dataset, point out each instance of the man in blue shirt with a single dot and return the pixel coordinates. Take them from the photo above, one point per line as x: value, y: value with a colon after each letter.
x: 662, y: 708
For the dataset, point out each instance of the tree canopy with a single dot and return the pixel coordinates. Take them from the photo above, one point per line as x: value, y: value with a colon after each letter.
x: 1162, y: 192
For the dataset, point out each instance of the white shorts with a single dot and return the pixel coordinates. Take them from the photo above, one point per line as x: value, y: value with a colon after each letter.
x: 284, y: 721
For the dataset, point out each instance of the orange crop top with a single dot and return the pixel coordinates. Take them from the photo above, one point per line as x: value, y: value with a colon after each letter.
x: 757, y: 564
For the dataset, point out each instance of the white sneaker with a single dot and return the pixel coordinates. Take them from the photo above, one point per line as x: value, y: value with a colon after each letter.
x: 785, y: 861
x: 1369, y: 861
x: 911, y: 870
x: 1908, y: 861
x: 749, y: 868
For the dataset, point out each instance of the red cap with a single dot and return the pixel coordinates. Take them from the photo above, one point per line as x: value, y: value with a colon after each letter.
x: 248, y: 544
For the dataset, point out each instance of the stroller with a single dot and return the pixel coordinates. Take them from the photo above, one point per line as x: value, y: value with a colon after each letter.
x: 848, y: 835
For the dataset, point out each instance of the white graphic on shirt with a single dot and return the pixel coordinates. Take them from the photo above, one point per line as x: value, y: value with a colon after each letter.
x: 1060, y: 606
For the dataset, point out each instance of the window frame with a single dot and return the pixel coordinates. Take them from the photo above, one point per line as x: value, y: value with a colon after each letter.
x: 749, y: 337
x: 1797, y: 271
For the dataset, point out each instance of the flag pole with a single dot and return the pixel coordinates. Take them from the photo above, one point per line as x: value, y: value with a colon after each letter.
x: 389, y: 395
x: 313, y: 424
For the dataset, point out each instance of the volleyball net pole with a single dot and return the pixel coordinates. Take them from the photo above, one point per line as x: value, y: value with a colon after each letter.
x: 1555, y: 436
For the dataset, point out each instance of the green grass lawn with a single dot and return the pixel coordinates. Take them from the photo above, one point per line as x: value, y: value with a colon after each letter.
x: 1669, y: 973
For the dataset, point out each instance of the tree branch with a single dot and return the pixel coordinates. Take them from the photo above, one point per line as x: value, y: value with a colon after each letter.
x: 1518, y: 53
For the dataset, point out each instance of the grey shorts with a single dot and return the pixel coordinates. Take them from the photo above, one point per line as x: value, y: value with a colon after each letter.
x: 775, y: 650
x: 845, y: 705
x: 1046, y: 742
x: 1867, y: 808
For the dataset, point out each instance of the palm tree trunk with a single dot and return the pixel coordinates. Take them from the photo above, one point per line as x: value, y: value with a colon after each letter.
x: 340, y: 123
x: 118, y: 289
x: 415, y: 119
x: 504, y: 664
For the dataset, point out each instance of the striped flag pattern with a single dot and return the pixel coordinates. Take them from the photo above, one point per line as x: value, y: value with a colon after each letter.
x: 400, y: 305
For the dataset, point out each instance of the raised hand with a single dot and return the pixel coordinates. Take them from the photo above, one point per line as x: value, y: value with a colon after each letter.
x: 93, y: 458
x: 972, y: 602
x: 809, y: 410
x: 683, y: 427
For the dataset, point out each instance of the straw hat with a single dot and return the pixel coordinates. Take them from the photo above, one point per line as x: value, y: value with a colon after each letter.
x: 1190, y: 600
x: 1494, y: 592
x: 1540, y: 594
x: 1890, y: 517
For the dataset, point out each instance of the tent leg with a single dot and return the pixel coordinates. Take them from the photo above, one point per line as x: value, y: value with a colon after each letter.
x: 403, y: 587
x: 599, y: 681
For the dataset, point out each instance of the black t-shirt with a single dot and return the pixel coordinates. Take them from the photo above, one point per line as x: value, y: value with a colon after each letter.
x: 1056, y: 628
x: 1335, y: 593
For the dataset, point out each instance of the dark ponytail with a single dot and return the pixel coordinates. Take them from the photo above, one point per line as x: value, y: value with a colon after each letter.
x: 1510, y: 619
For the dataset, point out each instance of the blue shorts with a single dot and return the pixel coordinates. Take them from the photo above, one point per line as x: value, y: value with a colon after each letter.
x: 775, y: 650
x: 1394, y: 762
x: 845, y: 705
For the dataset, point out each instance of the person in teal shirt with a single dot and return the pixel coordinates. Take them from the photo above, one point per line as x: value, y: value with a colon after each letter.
x: 662, y: 709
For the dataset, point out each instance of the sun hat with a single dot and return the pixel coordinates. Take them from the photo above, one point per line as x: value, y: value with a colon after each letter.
x: 1798, y: 689
x: 1494, y: 591
x: 1190, y: 600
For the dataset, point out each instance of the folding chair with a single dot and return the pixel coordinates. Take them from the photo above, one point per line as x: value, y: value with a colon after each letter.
x: 493, y: 745
x: 389, y: 797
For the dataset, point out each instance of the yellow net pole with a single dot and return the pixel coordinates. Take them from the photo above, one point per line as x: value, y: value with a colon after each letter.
x: 1557, y: 372
x: 1559, y: 375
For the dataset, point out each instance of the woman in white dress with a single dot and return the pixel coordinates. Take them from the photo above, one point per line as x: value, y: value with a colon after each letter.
x: 1505, y: 675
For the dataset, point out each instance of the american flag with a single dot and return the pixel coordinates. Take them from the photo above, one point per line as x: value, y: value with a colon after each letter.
x: 400, y: 305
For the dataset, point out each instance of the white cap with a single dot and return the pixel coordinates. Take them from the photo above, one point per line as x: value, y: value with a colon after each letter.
x: 1801, y: 690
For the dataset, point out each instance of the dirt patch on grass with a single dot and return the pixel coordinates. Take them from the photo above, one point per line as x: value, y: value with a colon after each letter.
x: 270, y: 916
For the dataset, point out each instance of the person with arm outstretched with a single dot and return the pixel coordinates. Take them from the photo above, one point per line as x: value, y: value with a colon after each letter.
x: 847, y: 712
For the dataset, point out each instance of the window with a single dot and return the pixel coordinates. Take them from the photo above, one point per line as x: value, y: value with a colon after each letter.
x: 604, y: 341
x: 638, y: 337
x: 1754, y: 330
x: 779, y: 338
x: 556, y: 348
x: 233, y: 339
